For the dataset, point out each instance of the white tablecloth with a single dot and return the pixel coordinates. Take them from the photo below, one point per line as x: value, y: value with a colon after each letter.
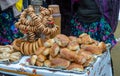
x: 102, y: 67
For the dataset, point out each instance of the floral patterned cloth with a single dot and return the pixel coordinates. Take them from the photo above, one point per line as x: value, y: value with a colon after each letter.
x: 8, y: 32
x: 100, y: 30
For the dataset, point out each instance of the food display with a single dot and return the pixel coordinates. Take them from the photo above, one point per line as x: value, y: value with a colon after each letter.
x: 8, y: 54
x: 36, y: 29
x: 69, y: 53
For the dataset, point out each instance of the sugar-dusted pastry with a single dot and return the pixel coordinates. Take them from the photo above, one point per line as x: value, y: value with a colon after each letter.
x: 75, y: 67
x: 60, y: 63
x: 62, y: 40
x: 54, y: 50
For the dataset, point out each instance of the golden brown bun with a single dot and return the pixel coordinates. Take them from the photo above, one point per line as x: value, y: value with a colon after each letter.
x: 40, y: 50
x: 73, y: 38
x: 33, y: 59
x: 72, y: 56
x: 47, y: 63
x: 62, y: 40
x: 73, y: 45
x: 87, y: 63
x: 38, y: 63
x: 86, y: 54
x: 46, y: 51
x: 102, y: 45
x: 41, y: 58
x: 16, y: 44
x: 86, y: 39
x: 92, y: 48
x: 49, y: 43
x: 59, y: 63
x: 75, y: 67
x: 54, y: 50
x: 67, y: 54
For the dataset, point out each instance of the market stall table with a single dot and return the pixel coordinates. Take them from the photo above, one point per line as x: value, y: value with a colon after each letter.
x: 101, y: 67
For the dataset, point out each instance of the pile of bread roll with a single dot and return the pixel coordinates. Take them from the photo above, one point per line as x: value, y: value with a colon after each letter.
x: 7, y: 53
x: 70, y: 53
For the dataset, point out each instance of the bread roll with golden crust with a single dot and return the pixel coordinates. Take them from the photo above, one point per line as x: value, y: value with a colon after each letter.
x: 92, y: 48
x: 16, y: 44
x: 62, y: 40
x: 54, y: 50
x: 72, y: 56
x: 60, y: 63
x: 86, y: 54
x: 46, y: 51
x: 47, y: 63
x: 30, y: 48
x: 73, y: 38
x: 40, y: 50
x: 33, y: 59
x: 86, y: 39
x: 38, y: 63
x: 49, y: 43
x: 75, y: 67
x: 41, y: 58
x: 87, y: 63
x: 72, y: 45
x: 102, y: 46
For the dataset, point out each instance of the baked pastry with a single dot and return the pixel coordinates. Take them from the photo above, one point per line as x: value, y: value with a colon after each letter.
x: 46, y: 51
x: 41, y: 58
x: 33, y: 59
x: 15, y: 56
x: 40, y: 50
x: 60, y: 63
x: 47, y: 63
x: 4, y: 55
x: 62, y: 40
x: 102, y: 46
x: 88, y: 62
x: 38, y: 63
x: 7, y: 49
x: 73, y: 45
x: 75, y: 67
x: 54, y: 50
x: 72, y: 56
x: 92, y: 48
x: 73, y: 38
x: 49, y: 43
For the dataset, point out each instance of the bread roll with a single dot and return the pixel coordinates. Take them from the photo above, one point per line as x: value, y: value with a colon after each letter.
x: 54, y: 50
x: 38, y: 63
x: 73, y: 38
x: 62, y: 40
x: 60, y: 63
x: 47, y: 63
x: 75, y: 67
x: 102, y: 46
x: 6, y: 49
x: 41, y: 58
x: 33, y: 59
x: 46, y: 51
x: 15, y: 56
x: 72, y: 56
x: 49, y: 43
x: 73, y: 45
x: 40, y: 50
x: 4, y: 55
x: 86, y: 54
x: 92, y: 48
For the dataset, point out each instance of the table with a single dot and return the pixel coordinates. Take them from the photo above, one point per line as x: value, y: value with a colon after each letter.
x: 101, y: 67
